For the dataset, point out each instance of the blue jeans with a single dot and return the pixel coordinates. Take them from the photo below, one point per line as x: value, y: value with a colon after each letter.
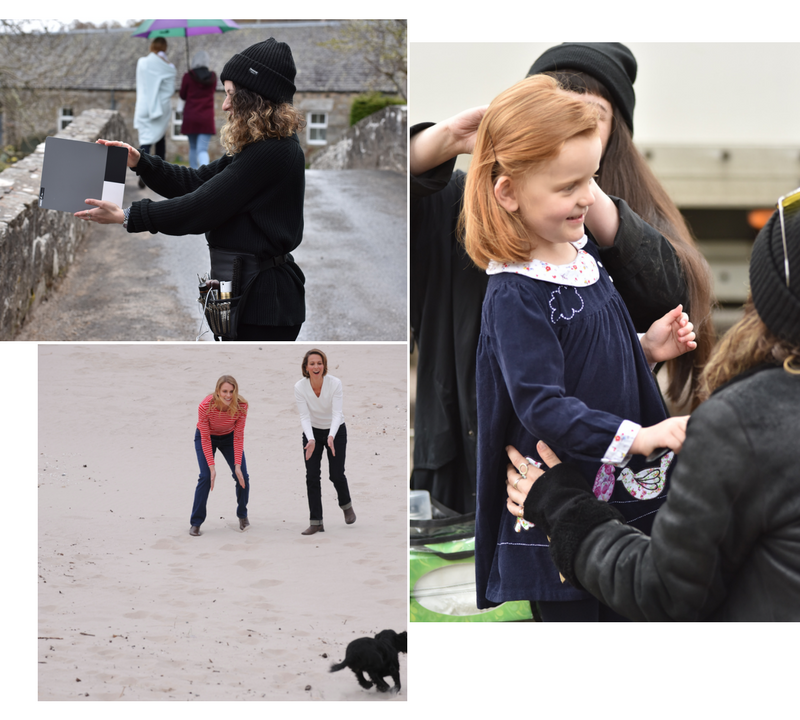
x: 223, y: 443
x: 198, y: 149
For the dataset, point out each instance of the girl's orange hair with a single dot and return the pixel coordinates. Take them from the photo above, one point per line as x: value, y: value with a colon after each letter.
x: 524, y: 127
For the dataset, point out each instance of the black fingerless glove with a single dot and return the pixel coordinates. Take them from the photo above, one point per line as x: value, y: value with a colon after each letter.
x: 561, y: 504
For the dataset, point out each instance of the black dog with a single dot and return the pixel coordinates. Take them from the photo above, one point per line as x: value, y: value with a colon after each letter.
x: 377, y: 657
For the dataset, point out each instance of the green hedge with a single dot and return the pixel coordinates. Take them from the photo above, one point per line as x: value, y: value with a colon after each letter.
x: 364, y: 105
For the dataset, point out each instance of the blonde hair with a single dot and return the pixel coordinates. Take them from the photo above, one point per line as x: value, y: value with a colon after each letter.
x: 747, y: 344
x: 525, y: 127
x: 238, y: 403
x: 255, y: 118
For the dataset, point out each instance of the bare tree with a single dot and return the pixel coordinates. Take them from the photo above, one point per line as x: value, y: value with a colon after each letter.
x: 382, y: 45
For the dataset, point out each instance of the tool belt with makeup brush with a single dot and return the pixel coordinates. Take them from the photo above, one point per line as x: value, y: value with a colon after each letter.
x: 241, y: 268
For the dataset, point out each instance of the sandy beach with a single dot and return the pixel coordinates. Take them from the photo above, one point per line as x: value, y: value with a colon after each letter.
x: 131, y: 607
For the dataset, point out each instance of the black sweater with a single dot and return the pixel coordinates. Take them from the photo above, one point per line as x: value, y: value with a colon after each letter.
x: 251, y: 202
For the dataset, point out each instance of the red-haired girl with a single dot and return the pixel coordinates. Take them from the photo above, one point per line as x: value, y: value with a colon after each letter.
x: 558, y: 357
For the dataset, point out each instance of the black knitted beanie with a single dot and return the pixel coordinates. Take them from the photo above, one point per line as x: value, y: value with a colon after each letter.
x: 777, y: 305
x: 610, y: 63
x: 266, y: 68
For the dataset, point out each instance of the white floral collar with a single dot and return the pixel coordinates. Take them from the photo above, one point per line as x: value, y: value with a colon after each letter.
x: 580, y: 272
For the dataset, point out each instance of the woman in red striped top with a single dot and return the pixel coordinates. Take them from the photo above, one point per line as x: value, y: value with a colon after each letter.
x: 220, y: 426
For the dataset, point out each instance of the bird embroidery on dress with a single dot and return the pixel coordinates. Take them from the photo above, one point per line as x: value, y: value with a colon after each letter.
x: 644, y: 485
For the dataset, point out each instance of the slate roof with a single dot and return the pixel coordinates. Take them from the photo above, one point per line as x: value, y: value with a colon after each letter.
x: 106, y: 59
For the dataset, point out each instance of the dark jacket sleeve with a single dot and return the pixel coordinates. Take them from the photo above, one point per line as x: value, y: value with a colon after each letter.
x: 646, y: 271
x: 699, y: 537
x: 213, y: 193
x: 170, y: 180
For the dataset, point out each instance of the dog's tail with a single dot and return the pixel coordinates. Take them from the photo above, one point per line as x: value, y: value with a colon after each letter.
x: 339, y: 666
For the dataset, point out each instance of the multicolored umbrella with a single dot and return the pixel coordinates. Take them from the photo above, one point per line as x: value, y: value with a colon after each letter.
x: 183, y: 28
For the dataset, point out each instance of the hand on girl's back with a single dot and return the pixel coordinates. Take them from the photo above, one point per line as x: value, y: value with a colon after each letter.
x: 669, y: 433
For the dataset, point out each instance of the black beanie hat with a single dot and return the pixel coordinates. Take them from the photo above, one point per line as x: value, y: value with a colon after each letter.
x: 610, y: 63
x: 266, y: 68
x: 777, y: 305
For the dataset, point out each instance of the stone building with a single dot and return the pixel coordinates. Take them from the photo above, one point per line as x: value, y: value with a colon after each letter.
x: 57, y: 76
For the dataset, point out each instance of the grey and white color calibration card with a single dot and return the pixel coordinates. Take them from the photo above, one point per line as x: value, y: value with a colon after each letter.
x: 74, y: 171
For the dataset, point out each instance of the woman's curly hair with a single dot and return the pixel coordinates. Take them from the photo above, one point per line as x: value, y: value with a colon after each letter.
x: 747, y: 344
x: 254, y: 118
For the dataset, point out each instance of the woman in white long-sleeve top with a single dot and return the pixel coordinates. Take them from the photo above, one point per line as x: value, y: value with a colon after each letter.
x: 319, y: 399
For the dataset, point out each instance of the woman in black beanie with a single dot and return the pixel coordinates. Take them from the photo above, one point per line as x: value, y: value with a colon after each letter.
x: 726, y: 544
x: 249, y: 203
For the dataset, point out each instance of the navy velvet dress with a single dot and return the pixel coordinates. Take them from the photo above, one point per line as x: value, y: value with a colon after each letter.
x: 558, y: 360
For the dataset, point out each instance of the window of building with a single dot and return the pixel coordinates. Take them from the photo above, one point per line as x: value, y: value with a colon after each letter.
x: 317, y: 126
x: 65, y: 117
x: 177, y: 121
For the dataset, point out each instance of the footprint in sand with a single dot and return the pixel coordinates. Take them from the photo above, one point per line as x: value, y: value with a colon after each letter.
x: 266, y: 583
x: 165, y: 544
x: 393, y: 602
x: 138, y: 615
x: 250, y: 564
x: 234, y: 548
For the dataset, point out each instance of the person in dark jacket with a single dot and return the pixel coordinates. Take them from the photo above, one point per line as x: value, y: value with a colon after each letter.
x: 249, y: 203
x: 726, y: 544
x: 653, y: 272
x: 197, y: 90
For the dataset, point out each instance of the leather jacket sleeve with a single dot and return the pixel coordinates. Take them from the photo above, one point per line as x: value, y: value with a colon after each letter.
x: 700, y: 537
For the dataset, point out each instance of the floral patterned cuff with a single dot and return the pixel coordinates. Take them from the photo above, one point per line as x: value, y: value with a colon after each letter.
x: 618, y: 452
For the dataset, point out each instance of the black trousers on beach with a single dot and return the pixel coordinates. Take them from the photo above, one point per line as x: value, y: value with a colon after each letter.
x: 335, y: 467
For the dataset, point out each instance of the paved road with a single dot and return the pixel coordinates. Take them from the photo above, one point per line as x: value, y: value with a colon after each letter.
x: 143, y: 287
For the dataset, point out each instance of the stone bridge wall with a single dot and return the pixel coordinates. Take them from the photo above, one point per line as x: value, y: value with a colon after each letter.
x: 378, y: 142
x: 37, y: 246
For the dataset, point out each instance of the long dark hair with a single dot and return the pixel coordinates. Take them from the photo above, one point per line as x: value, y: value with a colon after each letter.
x: 624, y: 173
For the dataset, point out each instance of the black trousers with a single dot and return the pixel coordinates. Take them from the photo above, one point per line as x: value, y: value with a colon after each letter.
x: 267, y: 332
x: 335, y: 468
x: 160, y: 149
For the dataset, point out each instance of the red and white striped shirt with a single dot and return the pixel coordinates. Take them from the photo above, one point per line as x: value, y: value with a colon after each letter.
x: 211, y: 421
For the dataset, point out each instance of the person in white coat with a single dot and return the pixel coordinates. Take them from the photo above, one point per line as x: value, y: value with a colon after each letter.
x: 155, y: 84
x: 319, y: 399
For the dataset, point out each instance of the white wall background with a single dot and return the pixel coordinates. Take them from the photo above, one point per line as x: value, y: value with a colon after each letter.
x: 686, y: 93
